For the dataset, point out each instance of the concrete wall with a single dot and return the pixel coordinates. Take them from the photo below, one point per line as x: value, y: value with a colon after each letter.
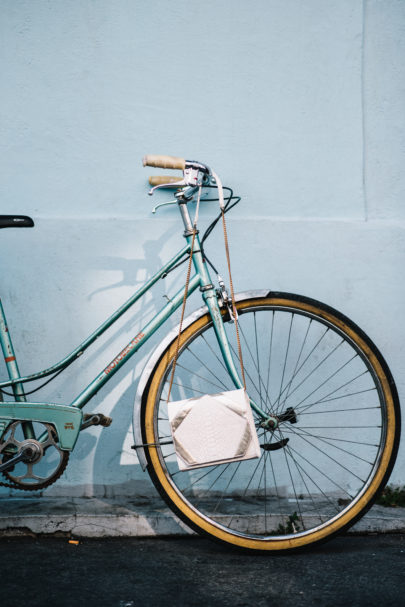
x: 298, y: 105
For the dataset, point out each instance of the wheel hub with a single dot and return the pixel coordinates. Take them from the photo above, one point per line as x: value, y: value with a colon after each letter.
x: 270, y: 423
x: 273, y: 421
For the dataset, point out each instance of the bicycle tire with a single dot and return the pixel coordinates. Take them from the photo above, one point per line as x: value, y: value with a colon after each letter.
x: 276, y: 503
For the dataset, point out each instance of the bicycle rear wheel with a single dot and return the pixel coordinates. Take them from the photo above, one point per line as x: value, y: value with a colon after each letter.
x: 337, y: 435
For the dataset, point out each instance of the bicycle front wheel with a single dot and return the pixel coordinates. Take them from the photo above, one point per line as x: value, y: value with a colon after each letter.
x: 335, y: 443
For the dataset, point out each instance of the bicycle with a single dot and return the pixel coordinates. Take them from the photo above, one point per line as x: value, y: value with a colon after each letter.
x: 324, y: 402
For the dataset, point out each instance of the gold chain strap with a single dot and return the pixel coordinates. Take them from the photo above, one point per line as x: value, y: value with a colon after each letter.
x: 235, y: 313
x: 182, y: 313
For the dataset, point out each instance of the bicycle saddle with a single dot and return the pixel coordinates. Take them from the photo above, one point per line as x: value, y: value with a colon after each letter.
x: 16, y: 221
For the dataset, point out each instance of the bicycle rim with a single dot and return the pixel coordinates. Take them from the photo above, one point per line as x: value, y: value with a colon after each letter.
x: 337, y: 438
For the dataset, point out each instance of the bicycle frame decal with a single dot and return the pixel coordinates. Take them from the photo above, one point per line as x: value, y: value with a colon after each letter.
x: 123, y: 353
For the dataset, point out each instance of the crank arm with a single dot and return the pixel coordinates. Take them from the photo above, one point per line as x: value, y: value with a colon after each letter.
x: 14, y: 460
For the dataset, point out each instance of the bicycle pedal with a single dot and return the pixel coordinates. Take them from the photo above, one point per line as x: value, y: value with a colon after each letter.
x: 96, y: 419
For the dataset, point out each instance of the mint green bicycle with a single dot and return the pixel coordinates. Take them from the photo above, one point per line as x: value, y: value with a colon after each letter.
x: 324, y: 402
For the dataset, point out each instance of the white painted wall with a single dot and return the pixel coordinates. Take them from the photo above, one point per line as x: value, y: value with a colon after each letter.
x: 299, y: 106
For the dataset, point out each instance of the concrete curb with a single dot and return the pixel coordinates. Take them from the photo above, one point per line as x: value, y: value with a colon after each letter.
x: 127, y: 517
x: 87, y: 517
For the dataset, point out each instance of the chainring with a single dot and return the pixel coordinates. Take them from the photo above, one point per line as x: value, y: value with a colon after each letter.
x: 12, y: 437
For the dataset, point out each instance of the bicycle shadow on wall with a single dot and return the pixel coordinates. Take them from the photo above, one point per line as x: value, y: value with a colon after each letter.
x: 112, y: 445
x: 135, y: 272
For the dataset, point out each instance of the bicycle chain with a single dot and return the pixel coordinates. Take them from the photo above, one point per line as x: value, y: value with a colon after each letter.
x: 10, y: 485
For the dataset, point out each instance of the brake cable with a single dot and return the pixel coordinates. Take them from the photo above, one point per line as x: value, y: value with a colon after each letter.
x: 2, y: 391
x: 207, y: 233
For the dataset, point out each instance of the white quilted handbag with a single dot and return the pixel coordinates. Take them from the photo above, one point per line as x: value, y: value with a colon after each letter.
x: 213, y: 429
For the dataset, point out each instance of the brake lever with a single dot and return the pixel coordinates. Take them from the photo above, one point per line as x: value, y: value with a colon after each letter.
x: 190, y: 178
x: 173, y: 184
x: 163, y: 204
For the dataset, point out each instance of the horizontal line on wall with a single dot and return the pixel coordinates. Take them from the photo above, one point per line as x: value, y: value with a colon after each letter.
x: 253, y: 218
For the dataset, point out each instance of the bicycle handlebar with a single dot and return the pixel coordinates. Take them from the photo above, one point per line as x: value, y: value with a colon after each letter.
x: 194, y: 173
x: 164, y: 162
x: 164, y: 179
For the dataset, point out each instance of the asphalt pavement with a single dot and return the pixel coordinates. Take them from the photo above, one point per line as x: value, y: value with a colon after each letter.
x: 348, y: 571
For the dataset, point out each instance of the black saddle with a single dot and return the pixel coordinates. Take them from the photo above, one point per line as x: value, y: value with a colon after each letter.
x: 16, y: 221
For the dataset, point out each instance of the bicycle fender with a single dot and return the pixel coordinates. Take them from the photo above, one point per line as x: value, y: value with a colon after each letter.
x: 141, y: 392
x: 67, y: 420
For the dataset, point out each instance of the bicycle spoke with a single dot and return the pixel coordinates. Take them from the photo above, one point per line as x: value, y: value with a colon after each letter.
x: 294, y: 373
x: 265, y: 405
x: 265, y: 492
x: 323, y: 411
x: 341, y: 440
x: 302, y: 478
x: 190, y: 388
x: 201, y: 362
x: 224, y: 469
x: 327, y: 400
x: 330, y: 457
x: 340, y: 427
x: 293, y: 485
x: 289, y: 383
x: 221, y: 362
x: 277, y: 401
x: 270, y: 349
x: 249, y: 377
x: 333, y: 391
x: 321, y: 472
x: 316, y: 369
x: 221, y: 386
x: 336, y: 447
x: 258, y: 360
x: 224, y: 491
x: 333, y: 504
x: 275, y: 483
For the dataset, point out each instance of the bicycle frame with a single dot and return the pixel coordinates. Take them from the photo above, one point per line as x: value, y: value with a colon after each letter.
x: 201, y: 279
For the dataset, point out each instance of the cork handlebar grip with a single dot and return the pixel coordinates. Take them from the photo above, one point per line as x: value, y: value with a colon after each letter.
x: 164, y: 162
x: 164, y: 179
